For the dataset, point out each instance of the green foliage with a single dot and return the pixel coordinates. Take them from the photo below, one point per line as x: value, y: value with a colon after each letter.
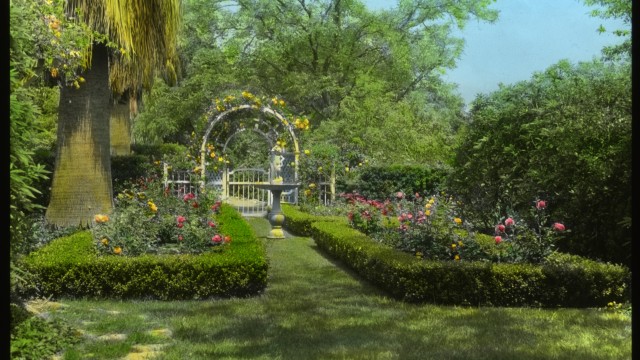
x: 381, y: 182
x: 563, y: 136
x: 126, y: 169
x: 70, y: 266
x: 369, y: 81
x: 37, y: 338
x: 616, y: 9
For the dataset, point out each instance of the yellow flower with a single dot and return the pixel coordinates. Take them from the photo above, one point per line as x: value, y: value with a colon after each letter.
x: 460, y: 243
x: 307, y: 152
x: 312, y: 186
x: 457, y: 257
x: 453, y: 246
x: 346, y: 169
x: 196, y: 169
x: 428, y: 206
x: 319, y: 168
x: 427, y: 213
x: 359, y: 164
x: 307, y: 192
x: 431, y: 201
x: 281, y: 102
x: 54, y: 72
x: 117, y: 250
x: 101, y: 218
x: 105, y: 241
x: 152, y: 206
x: 458, y: 220
x: 274, y: 101
x: 213, y: 155
x: 220, y: 159
x: 419, y: 255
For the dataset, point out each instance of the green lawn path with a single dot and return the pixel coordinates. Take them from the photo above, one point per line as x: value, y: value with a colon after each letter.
x: 315, y: 309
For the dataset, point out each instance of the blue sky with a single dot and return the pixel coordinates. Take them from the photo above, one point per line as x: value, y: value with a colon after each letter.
x: 529, y: 36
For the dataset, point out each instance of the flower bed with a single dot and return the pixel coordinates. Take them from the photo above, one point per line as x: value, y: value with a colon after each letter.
x: 71, y: 266
x: 563, y: 280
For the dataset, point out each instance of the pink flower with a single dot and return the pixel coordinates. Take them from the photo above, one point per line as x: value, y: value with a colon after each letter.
x: 211, y: 224
x: 180, y: 237
x: 399, y: 195
x: 188, y: 197
x: 509, y: 222
x: 417, y: 195
x: 558, y: 227
x: 216, y: 239
x: 541, y: 204
x: 500, y: 228
x: 498, y: 239
x: 180, y: 219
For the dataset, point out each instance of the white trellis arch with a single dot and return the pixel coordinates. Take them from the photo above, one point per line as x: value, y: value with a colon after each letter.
x: 274, y: 122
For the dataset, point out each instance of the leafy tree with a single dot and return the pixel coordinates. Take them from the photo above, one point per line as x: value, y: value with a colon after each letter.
x: 145, y: 33
x: 615, y: 9
x: 345, y: 67
x: 563, y: 136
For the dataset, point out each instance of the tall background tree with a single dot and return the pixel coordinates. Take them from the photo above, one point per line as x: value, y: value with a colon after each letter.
x: 363, y: 77
x: 140, y: 39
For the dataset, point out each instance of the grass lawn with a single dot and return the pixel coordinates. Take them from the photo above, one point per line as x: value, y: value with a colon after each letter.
x: 315, y: 309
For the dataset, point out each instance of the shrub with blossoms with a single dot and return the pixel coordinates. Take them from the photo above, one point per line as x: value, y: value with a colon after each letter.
x: 149, y: 219
x: 520, y: 241
x: 425, y: 226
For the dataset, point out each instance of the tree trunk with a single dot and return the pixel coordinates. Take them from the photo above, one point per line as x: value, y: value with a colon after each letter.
x: 121, y: 127
x: 81, y: 185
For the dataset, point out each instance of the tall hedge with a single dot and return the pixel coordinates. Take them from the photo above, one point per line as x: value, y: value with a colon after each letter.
x: 380, y: 182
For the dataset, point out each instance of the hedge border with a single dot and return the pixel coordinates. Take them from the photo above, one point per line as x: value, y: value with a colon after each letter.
x: 565, y: 281
x: 71, y: 267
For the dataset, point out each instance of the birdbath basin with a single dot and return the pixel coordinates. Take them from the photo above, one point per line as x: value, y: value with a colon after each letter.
x: 276, y: 217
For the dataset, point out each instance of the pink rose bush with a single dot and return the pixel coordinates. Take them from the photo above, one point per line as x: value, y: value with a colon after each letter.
x: 519, y: 242
x: 149, y: 218
x: 431, y: 228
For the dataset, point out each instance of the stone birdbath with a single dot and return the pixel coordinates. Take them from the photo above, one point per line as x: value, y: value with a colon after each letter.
x: 275, y: 216
x: 276, y: 186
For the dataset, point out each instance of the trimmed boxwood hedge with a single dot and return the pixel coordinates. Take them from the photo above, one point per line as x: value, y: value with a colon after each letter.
x: 71, y: 267
x: 565, y: 280
x: 299, y: 222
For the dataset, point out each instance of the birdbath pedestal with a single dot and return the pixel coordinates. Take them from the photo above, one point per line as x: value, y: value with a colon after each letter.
x: 275, y: 216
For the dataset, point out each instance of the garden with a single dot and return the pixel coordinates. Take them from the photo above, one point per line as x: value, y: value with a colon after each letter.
x: 411, y: 228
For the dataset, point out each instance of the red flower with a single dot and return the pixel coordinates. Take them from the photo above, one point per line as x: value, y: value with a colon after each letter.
x: 180, y: 237
x: 498, y: 239
x: 188, y: 197
x: 541, y: 204
x: 216, y: 239
x: 180, y: 225
x: 211, y: 224
x: 558, y: 227
x: 180, y: 219
x: 500, y: 228
x: 509, y: 222
x: 195, y: 204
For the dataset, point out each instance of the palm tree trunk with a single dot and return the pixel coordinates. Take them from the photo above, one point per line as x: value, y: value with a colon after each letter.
x: 81, y: 185
x: 121, y: 127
